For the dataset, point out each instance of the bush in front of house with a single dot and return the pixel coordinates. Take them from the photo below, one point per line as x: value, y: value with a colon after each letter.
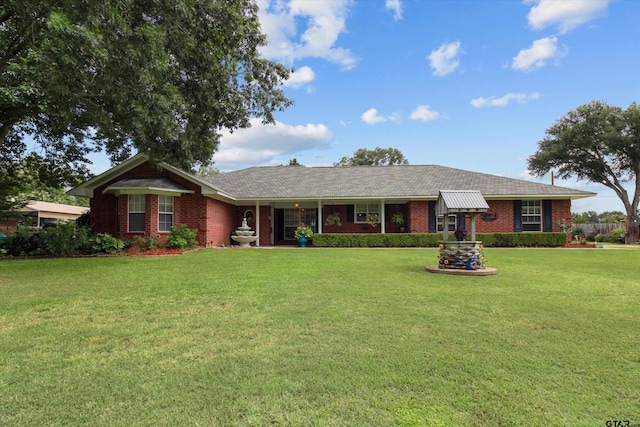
x: 64, y: 239
x: 417, y: 240
x: 520, y: 240
x: 146, y: 243
x: 106, y: 243
x: 182, y: 237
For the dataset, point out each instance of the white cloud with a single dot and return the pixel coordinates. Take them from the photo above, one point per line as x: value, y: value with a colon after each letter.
x: 423, y: 113
x: 322, y: 23
x: 300, y: 77
x: 566, y: 15
x: 520, y: 98
x: 371, y: 117
x: 396, y: 7
x: 261, y: 144
x: 445, y: 59
x: 538, y: 54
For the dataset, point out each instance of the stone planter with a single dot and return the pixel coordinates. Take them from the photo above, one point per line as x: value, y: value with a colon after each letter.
x: 465, y: 255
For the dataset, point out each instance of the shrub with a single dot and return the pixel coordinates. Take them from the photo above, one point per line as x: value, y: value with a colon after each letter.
x: 355, y: 240
x: 147, y: 243
x: 591, y: 236
x: 615, y: 236
x: 600, y: 237
x: 64, y: 239
x: 182, y: 237
x: 106, y: 243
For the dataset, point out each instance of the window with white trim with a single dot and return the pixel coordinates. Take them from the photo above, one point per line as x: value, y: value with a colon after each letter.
x: 452, y: 223
x: 293, y: 218
x: 363, y: 210
x: 531, y: 215
x: 165, y: 213
x: 136, y: 210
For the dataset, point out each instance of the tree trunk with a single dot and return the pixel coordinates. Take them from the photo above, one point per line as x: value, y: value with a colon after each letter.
x: 632, y: 236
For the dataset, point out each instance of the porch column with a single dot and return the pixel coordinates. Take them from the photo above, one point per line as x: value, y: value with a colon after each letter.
x: 258, y: 223
x: 473, y: 226
x: 382, y: 217
x: 319, y: 220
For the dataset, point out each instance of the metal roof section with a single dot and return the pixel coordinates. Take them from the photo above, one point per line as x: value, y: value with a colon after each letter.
x: 460, y: 201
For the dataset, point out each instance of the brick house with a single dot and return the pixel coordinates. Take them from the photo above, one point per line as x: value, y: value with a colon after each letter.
x: 141, y: 198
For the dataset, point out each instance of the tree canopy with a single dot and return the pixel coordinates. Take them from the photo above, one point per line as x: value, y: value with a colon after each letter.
x: 158, y: 77
x: 600, y: 143
x: 592, y: 217
x: 376, y: 157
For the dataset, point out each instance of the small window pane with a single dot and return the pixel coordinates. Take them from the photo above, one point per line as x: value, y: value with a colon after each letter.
x: 136, y: 212
x: 165, y: 213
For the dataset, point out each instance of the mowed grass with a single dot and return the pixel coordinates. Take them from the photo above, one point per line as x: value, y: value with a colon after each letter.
x: 326, y: 337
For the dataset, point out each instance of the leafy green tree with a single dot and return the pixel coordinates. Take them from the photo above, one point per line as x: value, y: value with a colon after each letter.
x: 294, y: 162
x: 611, y: 217
x: 158, y: 77
x: 590, y: 217
x: 598, y: 143
x: 376, y: 157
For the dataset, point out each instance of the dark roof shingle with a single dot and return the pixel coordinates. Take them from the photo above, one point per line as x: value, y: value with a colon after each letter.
x: 401, y: 181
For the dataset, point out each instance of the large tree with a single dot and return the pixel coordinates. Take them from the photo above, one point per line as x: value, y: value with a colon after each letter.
x: 376, y: 157
x: 600, y: 143
x: 156, y: 77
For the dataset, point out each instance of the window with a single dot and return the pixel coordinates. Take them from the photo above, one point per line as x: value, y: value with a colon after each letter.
x: 293, y: 218
x: 136, y: 212
x: 452, y: 223
x: 531, y: 215
x: 363, y: 210
x: 165, y: 213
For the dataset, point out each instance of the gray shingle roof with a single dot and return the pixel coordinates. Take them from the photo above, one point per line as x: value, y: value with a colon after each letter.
x: 400, y: 182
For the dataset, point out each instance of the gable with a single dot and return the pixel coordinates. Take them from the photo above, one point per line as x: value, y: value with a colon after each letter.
x: 123, y: 179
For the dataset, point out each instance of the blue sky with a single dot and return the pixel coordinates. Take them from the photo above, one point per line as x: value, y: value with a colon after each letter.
x: 469, y: 84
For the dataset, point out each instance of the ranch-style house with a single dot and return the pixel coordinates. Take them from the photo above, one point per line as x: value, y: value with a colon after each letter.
x: 138, y: 197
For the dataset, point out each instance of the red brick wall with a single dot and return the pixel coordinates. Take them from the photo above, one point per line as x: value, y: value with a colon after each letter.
x: 218, y: 221
x: 418, y: 217
x: 504, y: 221
x: 265, y: 226
x: 347, y: 227
x: 104, y: 213
x: 504, y: 210
x: 212, y: 218
x: 560, y: 209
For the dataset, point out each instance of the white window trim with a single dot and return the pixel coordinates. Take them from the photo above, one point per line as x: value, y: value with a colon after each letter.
x: 166, y: 213
x: 130, y: 211
x: 453, y: 219
x: 366, y: 209
x: 530, y: 211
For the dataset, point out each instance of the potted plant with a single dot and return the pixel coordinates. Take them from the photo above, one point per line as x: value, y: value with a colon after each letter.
x: 302, y: 234
x: 373, y: 219
x: 398, y: 219
x: 333, y: 219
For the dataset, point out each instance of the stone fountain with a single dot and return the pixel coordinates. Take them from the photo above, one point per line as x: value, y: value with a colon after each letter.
x: 244, y: 235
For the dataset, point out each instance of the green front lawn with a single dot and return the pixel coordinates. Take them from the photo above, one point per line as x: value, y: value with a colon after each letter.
x: 327, y: 337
